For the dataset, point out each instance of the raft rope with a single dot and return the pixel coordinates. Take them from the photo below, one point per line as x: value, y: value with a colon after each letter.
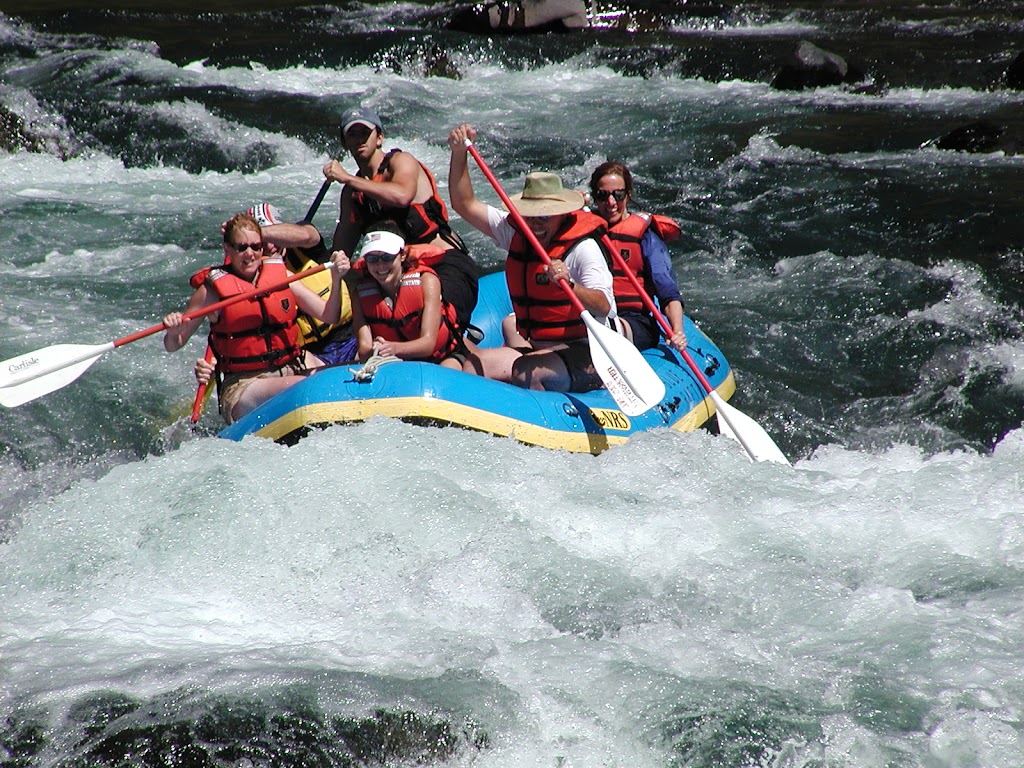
x: 368, y: 370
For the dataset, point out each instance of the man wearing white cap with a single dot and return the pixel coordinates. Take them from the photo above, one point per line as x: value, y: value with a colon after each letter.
x: 396, y: 186
x: 555, y: 354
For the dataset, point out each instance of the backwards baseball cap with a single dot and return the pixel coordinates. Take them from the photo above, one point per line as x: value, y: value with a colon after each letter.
x: 381, y: 242
x: 265, y: 214
x: 360, y: 116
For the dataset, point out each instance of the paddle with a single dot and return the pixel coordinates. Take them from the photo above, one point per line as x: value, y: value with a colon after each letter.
x: 625, y: 373
x: 34, y: 374
x: 197, y: 403
x: 731, y: 422
x: 308, y: 218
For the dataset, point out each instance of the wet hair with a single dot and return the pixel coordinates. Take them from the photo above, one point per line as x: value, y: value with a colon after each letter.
x: 240, y: 222
x: 612, y: 168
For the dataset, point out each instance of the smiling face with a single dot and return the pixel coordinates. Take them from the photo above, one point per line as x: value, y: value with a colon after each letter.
x: 243, y: 248
x: 544, y: 228
x: 610, y: 187
x: 385, y: 272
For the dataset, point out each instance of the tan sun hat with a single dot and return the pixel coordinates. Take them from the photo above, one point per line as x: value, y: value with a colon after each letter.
x: 544, y: 195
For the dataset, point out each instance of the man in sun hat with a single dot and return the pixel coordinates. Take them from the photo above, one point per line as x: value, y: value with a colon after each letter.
x: 396, y: 186
x: 552, y: 350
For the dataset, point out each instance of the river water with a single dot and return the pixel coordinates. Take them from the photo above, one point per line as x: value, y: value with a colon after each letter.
x: 385, y: 593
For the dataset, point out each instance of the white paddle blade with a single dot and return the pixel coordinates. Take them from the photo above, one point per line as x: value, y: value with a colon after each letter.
x: 38, y: 373
x: 735, y: 424
x: 628, y: 377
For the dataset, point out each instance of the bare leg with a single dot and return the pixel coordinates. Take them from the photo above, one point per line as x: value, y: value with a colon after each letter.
x: 259, y: 392
x: 625, y: 329
x: 494, y: 363
x: 262, y: 390
x: 541, y: 370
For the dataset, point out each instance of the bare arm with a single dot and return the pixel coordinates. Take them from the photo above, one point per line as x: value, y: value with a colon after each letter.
x: 364, y: 337
x: 674, y: 312
x: 398, y: 191
x: 329, y: 310
x: 179, y: 330
x: 292, y: 235
x: 594, y: 299
x: 586, y: 265
x: 460, y: 188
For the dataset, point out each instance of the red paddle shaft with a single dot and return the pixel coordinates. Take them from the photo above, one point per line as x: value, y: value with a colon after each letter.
x: 521, y: 223
x: 666, y: 329
x: 221, y: 304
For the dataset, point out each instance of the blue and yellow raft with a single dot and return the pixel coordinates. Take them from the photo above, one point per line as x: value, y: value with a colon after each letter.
x: 425, y: 393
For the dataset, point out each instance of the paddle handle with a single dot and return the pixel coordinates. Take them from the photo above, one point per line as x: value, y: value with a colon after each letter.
x: 216, y: 306
x: 197, y: 404
x: 521, y: 223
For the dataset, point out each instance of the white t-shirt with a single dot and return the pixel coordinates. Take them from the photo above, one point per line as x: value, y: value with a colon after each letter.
x: 585, y: 261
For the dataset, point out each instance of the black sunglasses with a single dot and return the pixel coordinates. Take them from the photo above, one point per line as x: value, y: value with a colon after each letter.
x: 243, y: 247
x: 374, y: 256
x: 603, y: 194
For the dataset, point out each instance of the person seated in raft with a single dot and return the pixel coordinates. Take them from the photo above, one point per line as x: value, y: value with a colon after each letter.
x: 255, y: 342
x: 640, y: 240
x: 553, y: 353
x: 397, y: 306
x: 396, y: 186
x: 302, y: 247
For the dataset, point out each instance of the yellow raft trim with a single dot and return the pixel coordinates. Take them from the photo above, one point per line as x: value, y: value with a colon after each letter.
x: 353, y: 411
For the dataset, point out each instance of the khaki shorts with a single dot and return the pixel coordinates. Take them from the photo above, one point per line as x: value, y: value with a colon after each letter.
x: 233, y: 386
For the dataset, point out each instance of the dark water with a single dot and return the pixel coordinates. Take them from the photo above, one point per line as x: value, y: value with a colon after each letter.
x: 167, y: 600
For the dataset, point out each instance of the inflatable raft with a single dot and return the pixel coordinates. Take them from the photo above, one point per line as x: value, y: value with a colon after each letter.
x: 425, y: 393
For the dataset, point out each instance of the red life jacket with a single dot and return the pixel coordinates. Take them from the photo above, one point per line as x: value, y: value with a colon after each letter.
x: 424, y: 254
x: 311, y: 329
x: 421, y: 222
x: 543, y: 310
x: 665, y: 227
x: 401, y: 321
x: 626, y: 237
x: 258, y: 334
